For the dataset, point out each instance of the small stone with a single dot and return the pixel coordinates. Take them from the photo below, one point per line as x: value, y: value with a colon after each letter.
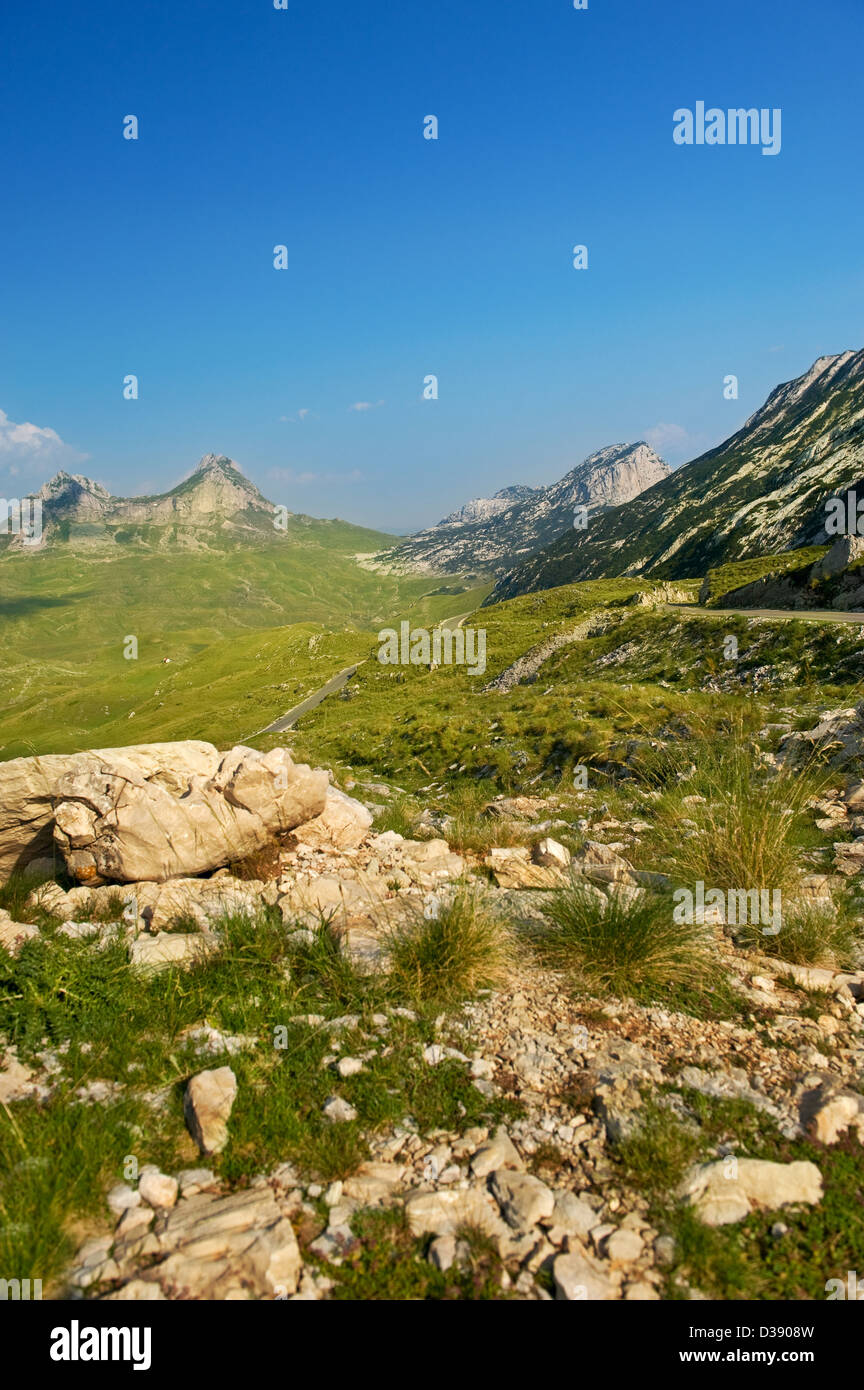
x: 207, y: 1106
x: 552, y: 854
x: 338, y: 1111
x: 158, y: 1190
x: 122, y: 1198
x: 442, y: 1252
x: 150, y: 954
x: 623, y: 1247
x: 641, y: 1292
x: 524, y: 1200
x: 572, y: 1215
x: 578, y: 1278
x: 349, y: 1066
x: 498, y: 1152
x: 193, y: 1180
x: 665, y: 1250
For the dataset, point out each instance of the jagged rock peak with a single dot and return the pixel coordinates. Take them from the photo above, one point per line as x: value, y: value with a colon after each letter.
x: 64, y: 482
x: 217, y: 463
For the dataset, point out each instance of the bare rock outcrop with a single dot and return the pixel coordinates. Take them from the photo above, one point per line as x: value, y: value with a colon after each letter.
x: 343, y: 824
x: 28, y: 788
x: 112, y: 823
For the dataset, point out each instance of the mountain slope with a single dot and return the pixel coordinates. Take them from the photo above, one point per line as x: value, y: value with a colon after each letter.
x: 762, y: 491
x: 492, y: 534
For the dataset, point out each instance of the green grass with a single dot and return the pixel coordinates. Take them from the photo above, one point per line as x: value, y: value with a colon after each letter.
x: 245, y: 629
x: 745, y: 1260
x: 450, y: 956
x: 104, y: 1023
x: 722, y: 579
x: 810, y: 936
x: 731, y: 823
x: 623, y: 946
x: 390, y: 1264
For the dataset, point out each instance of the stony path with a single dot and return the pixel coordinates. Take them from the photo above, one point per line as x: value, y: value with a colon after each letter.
x: 529, y: 664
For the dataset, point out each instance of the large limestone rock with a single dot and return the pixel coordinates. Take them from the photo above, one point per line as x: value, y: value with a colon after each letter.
x: 343, y: 824
x: 112, y: 823
x: 236, y: 1247
x: 844, y: 552
x: 28, y: 788
x: 729, y: 1189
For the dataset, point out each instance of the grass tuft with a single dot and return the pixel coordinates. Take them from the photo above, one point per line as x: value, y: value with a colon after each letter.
x: 624, y: 945
x: 447, y: 958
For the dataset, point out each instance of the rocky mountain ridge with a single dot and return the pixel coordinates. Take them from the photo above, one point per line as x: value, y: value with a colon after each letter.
x: 760, y: 492
x: 216, y: 493
x: 491, y: 534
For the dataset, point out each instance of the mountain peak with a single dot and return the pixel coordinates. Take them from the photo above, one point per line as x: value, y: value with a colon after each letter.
x: 64, y: 482
x: 217, y: 463
x: 760, y: 492
x: 493, y: 533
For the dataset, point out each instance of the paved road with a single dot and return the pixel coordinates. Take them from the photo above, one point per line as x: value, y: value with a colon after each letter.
x: 287, y: 721
x: 815, y: 615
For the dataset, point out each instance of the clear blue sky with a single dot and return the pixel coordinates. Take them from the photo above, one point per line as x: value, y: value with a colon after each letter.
x: 408, y: 256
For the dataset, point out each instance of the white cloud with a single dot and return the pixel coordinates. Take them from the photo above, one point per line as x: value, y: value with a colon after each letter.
x: 365, y: 405
x: 299, y: 417
x: 33, y: 449
x: 26, y: 438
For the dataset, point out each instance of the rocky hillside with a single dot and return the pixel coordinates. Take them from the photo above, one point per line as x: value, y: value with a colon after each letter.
x: 489, y: 535
x: 412, y: 1068
x: 763, y: 490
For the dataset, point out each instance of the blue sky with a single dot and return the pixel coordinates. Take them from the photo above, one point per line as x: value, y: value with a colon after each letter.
x: 407, y: 257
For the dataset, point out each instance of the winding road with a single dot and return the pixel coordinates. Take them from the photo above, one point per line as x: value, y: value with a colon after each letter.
x: 830, y: 615
x: 814, y: 615
x: 287, y: 721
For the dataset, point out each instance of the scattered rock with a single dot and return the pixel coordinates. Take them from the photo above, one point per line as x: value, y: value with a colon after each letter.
x: 158, y: 1190
x: 728, y: 1190
x: 578, y: 1277
x: 207, y: 1107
